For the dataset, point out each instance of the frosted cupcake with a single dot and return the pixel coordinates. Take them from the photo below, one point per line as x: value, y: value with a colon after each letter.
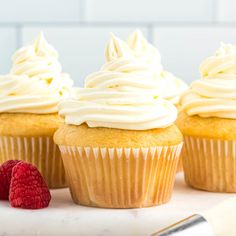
x: 29, y: 98
x: 208, y: 122
x: 119, y: 144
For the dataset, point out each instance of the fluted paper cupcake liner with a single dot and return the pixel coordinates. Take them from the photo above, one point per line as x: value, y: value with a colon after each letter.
x: 210, y: 164
x: 121, y: 177
x: 180, y: 165
x: 40, y: 151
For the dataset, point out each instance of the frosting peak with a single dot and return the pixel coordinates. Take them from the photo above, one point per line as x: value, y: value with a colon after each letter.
x: 37, y: 59
x: 137, y: 42
x: 36, y: 83
x: 226, y: 49
x: 144, y: 50
x: 116, y: 48
x: 214, y: 95
x: 222, y: 65
x: 42, y: 48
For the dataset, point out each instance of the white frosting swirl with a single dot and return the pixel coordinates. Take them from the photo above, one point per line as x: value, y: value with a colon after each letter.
x: 214, y: 95
x: 167, y: 85
x: 141, y: 60
x: 36, y: 83
x: 123, y: 95
x: 112, y: 108
x: 171, y: 87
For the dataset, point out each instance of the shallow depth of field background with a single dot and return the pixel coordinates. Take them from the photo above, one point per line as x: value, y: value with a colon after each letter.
x: 185, y: 31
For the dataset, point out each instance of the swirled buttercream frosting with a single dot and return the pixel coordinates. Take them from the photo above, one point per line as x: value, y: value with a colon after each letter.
x: 123, y: 94
x: 36, y: 83
x: 170, y: 87
x: 214, y: 95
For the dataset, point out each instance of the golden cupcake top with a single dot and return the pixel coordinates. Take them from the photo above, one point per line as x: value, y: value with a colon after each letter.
x: 209, y: 127
x: 84, y: 136
x: 28, y: 125
x: 123, y: 94
x: 214, y: 95
x: 36, y: 83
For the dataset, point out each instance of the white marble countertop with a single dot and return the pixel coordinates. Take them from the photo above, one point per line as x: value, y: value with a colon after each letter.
x: 63, y: 217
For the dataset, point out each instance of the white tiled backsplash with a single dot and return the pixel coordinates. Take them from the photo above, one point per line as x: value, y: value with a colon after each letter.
x: 185, y: 31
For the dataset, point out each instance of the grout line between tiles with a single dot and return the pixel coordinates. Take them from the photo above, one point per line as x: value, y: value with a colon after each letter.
x: 119, y: 24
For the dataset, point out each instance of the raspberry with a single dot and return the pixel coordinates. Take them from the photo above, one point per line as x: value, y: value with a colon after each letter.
x: 5, y: 178
x: 28, y: 189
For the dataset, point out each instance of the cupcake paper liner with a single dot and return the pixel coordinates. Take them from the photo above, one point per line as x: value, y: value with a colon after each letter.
x: 210, y: 164
x: 121, y: 177
x: 180, y: 165
x: 41, y: 152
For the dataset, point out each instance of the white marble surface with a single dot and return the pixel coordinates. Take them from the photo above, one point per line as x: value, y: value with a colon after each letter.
x: 63, y: 217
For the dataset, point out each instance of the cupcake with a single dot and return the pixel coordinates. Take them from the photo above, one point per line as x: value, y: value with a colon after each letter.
x: 29, y: 97
x: 119, y: 144
x: 208, y: 123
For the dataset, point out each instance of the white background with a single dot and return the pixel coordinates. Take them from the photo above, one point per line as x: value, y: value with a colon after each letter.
x: 185, y: 31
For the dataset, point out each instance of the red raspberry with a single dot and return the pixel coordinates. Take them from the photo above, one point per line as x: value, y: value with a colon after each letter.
x: 28, y: 189
x: 5, y: 178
